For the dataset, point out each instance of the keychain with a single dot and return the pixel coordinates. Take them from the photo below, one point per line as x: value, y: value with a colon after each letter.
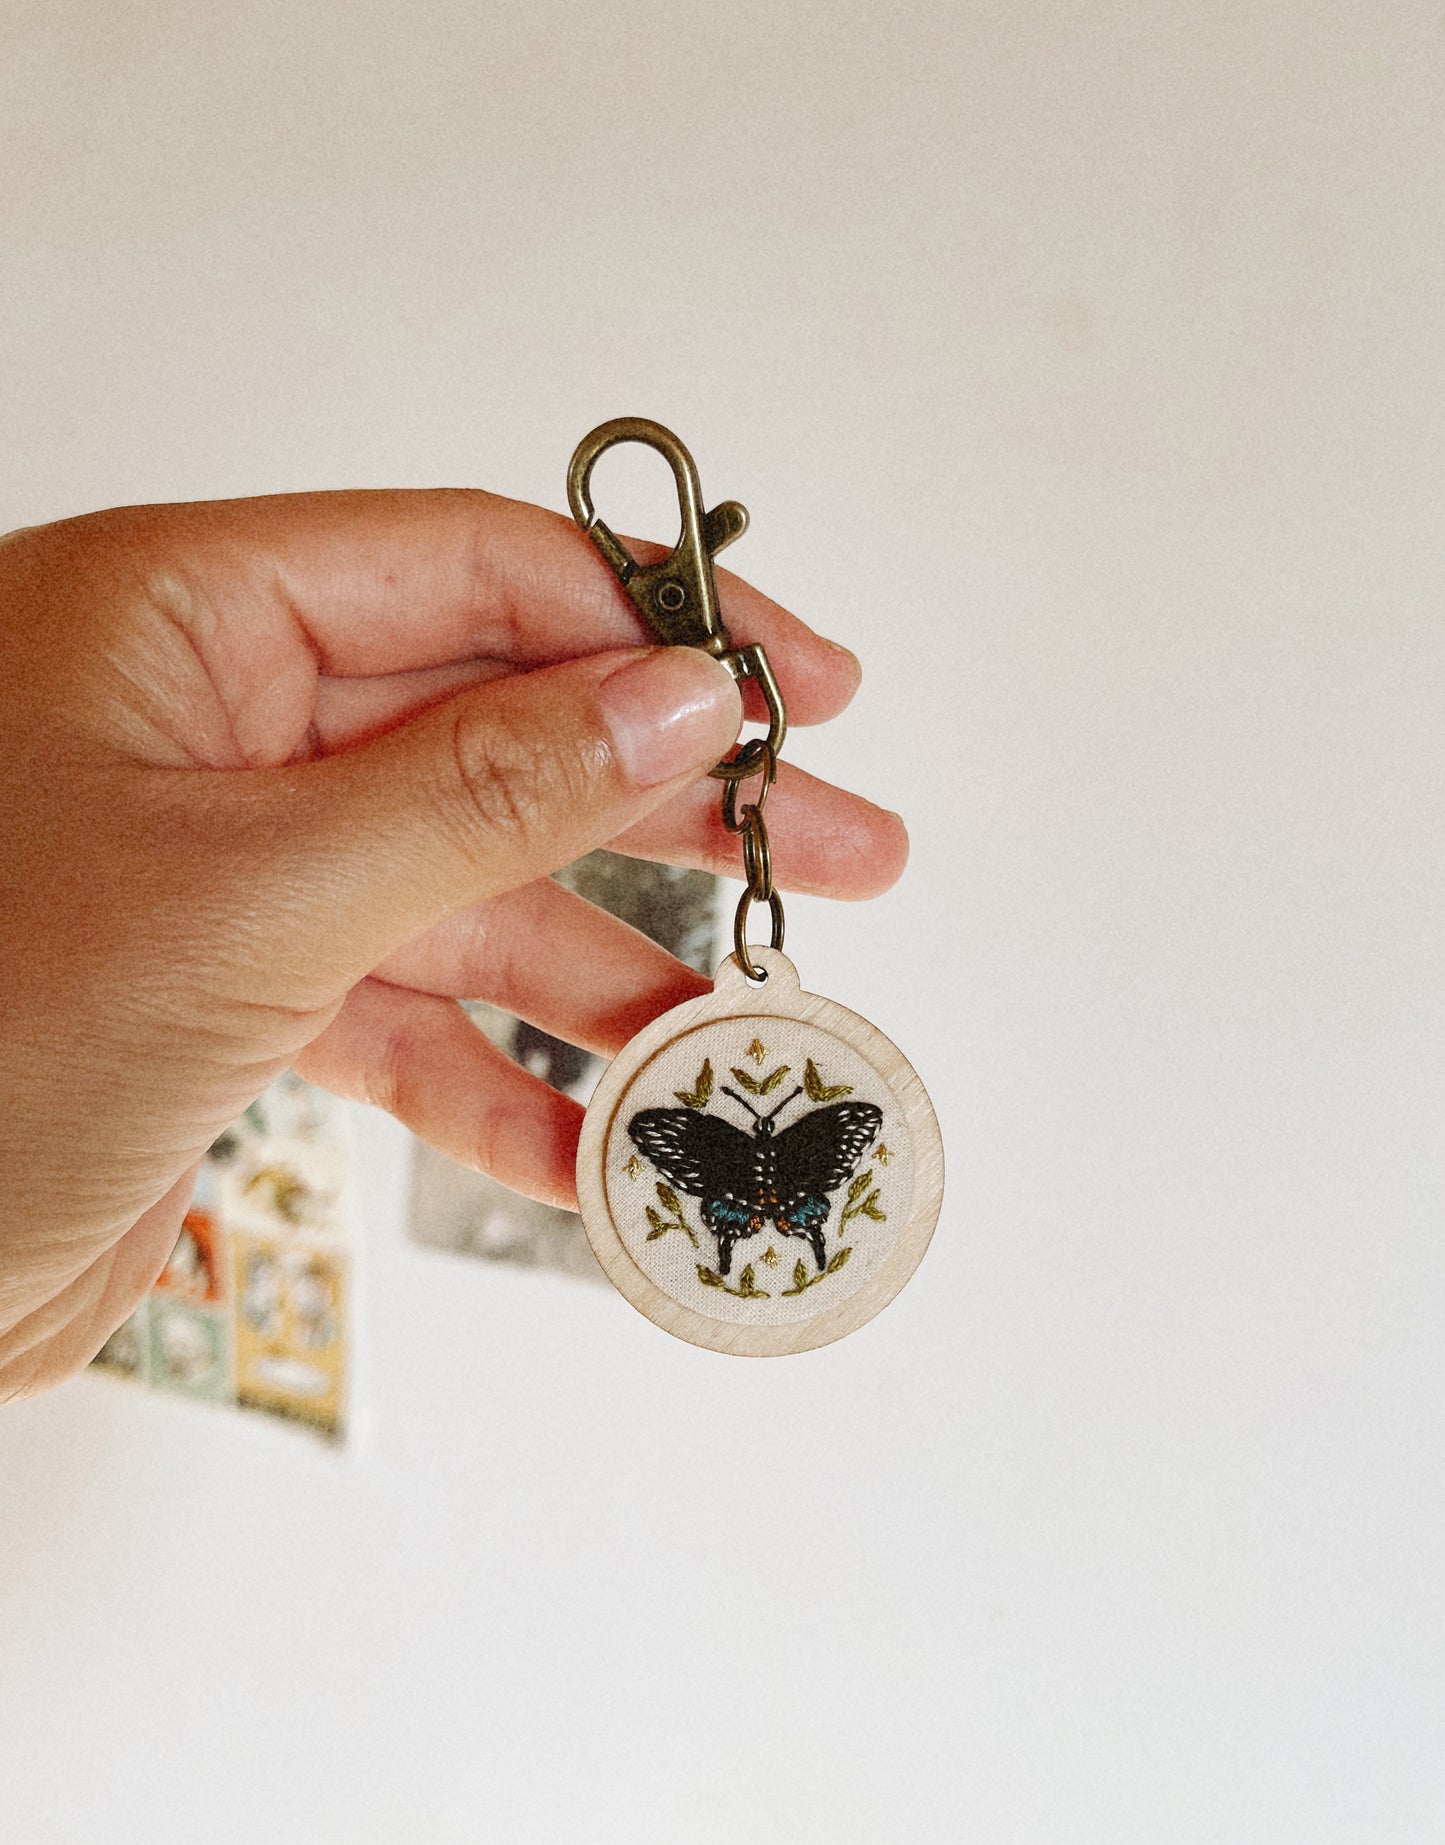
x: 760, y: 1170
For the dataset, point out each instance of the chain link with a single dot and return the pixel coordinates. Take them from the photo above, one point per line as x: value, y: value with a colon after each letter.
x: 677, y: 598
x: 755, y: 758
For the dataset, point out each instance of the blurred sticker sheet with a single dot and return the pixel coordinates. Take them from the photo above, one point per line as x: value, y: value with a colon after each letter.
x: 253, y: 1309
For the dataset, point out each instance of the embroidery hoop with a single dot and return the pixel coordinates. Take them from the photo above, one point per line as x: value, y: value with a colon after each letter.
x: 736, y: 997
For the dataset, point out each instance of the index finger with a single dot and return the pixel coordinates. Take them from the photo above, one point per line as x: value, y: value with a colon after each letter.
x: 395, y: 581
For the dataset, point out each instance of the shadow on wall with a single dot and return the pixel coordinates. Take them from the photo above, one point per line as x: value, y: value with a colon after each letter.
x: 452, y: 1207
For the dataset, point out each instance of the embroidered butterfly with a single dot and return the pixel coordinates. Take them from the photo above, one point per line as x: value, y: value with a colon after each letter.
x: 747, y: 1178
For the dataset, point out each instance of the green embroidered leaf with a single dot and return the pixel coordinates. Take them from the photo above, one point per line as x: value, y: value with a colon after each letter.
x: 697, y: 1096
x: 710, y: 1277
x: 855, y: 1190
x: 869, y: 1208
x: 750, y: 1083
x: 769, y: 1083
x: 668, y: 1197
x: 802, y: 1280
x: 660, y: 1225
x: 747, y: 1281
x: 818, y: 1090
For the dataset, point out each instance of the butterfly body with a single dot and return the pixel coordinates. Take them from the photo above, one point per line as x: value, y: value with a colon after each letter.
x: 748, y: 1178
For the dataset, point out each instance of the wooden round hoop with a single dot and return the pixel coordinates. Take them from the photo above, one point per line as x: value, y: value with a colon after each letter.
x: 781, y: 996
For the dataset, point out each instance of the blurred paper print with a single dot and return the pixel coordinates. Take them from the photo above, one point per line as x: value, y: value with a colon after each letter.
x: 126, y: 1352
x: 452, y: 1207
x: 253, y: 1306
x: 188, y: 1349
x: 290, y: 1313
x: 195, y: 1268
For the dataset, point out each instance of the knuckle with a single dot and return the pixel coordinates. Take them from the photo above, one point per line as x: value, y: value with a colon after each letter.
x: 384, y: 1081
x: 498, y: 770
x: 482, y: 1150
x: 513, y: 783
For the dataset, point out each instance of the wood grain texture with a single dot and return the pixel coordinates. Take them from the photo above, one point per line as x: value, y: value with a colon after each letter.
x: 782, y: 997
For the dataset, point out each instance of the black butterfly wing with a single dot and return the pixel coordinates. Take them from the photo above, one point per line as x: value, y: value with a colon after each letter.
x: 701, y: 1155
x: 815, y: 1155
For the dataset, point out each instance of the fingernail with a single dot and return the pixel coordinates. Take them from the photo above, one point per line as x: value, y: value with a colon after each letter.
x: 673, y: 710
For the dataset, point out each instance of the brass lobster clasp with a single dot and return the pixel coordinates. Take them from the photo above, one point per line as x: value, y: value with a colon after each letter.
x: 678, y: 597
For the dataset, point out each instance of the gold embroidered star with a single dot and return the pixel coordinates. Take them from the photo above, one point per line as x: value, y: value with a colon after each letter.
x: 881, y: 1154
x: 633, y: 1167
x: 772, y: 1258
x: 756, y: 1051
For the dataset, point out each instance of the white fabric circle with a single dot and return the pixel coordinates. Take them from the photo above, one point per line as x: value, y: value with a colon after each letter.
x: 677, y: 1190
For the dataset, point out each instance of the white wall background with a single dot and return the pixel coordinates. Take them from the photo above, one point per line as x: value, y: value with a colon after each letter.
x: 1082, y: 367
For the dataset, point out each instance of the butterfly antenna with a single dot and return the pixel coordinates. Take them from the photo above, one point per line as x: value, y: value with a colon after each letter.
x: 745, y: 1102
x: 784, y: 1103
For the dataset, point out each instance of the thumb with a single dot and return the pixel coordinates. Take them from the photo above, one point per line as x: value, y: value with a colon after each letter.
x: 501, y: 784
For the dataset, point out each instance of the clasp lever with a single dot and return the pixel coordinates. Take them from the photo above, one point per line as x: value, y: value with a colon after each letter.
x: 678, y: 597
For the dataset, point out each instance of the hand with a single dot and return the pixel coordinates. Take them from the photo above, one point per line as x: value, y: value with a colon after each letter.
x: 282, y: 778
